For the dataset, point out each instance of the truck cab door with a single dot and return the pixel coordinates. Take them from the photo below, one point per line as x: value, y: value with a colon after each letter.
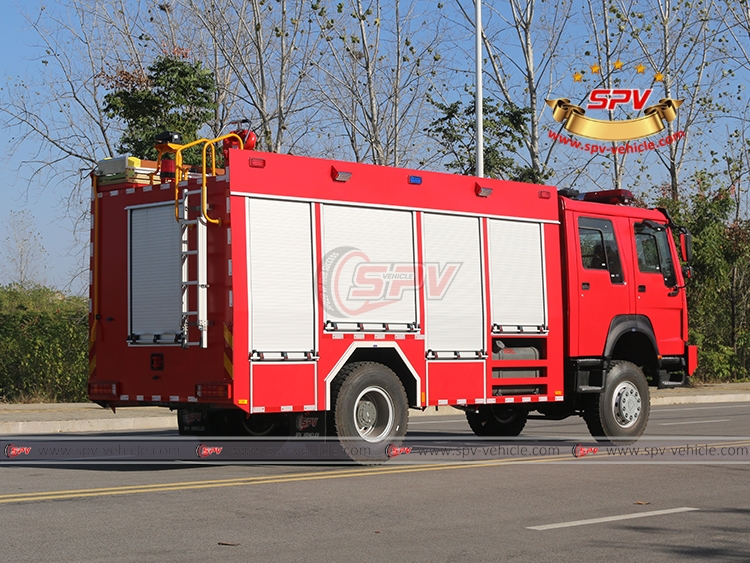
x: 658, y: 295
x: 601, y: 291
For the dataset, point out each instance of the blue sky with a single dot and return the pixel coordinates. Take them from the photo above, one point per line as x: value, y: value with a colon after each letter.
x: 56, y: 233
x: 46, y: 204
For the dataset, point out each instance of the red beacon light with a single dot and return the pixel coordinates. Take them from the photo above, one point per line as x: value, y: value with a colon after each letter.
x: 615, y: 197
x: 249, y: 140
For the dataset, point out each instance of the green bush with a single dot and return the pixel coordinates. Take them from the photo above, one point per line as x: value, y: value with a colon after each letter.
x: 43, y: 345
x: 719, y: 293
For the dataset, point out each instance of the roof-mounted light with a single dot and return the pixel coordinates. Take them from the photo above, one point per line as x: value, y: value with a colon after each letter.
x: 482, y: 191
x: 616, y: 197
x: 340, y: 175
x: 168, y: 137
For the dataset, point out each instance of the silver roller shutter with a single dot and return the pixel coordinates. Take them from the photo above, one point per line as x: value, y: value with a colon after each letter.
x: 368, y: 266
x: 454, y: 318
x: 517, y: 275
x: 155, y: 268
x: 280, y: 272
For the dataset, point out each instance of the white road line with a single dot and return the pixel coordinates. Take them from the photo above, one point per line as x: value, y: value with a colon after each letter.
x: 612, y: 518
x: 693, y: 422
x: 681, y: 408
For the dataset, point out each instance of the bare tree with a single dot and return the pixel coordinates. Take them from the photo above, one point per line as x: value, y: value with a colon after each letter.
x: 735, y: 16
x: 608, y: 44
x: 373, y: 70
x: 735, y: 19
x: 525, y: 41
x: 58, y: 107
x: 22, y: 251
x: 678, y: 42
x: 260, y: 52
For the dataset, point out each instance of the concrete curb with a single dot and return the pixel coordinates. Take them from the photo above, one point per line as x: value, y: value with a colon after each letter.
x: 92, y: 425
x: 696, y: 399
x: 168, y: 421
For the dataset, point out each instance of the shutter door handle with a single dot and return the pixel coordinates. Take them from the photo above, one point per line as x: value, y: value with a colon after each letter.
x: 585, y: 285
x: 641, y: 289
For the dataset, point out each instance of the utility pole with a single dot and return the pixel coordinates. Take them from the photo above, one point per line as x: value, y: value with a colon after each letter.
x: 478, y: 101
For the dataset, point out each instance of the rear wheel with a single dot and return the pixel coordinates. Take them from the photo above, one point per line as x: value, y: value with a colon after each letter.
x: 258, y: 425
x: 620, y: 413
x: 228, y: 422
x: 371, y: 410
x: 493, y: 420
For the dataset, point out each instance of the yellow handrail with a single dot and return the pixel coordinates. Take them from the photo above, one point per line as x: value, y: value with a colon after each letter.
x: 204, y: 191
x: 177, y: 150
x: 178, y: 173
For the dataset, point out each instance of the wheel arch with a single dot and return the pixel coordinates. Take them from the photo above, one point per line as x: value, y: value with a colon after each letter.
x: 632, y: 338
x: 388, y: 354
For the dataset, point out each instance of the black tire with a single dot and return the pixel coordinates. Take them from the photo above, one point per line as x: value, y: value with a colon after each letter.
x: 259, y: 425
x: 620, y: 413
x: 230, y: 423
x: 370, y: 411
x: 494, y: 420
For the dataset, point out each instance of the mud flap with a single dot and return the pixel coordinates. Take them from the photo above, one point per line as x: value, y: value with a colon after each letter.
x: 206, y: 423
x: 312, y: 424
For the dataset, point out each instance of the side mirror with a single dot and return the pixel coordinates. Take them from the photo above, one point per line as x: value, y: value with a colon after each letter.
x: 687, y: 272
x: 686, y: 246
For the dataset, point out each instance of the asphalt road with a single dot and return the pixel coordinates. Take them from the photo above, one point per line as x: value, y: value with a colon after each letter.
x: 547, y: 508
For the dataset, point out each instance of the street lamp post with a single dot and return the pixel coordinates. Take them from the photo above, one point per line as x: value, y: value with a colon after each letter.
x: 478, y: 102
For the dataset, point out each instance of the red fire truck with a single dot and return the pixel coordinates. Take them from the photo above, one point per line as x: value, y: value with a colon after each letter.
x: 281, y: 291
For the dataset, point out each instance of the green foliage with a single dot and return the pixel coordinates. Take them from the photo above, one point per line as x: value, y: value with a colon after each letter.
x: 504, y: 127
x: 43, y: 345
x: 719, y: 293
x: 175, y: 95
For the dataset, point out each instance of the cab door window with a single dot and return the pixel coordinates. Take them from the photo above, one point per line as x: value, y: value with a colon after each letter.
x: 654, y: 255
x: 599, y: 249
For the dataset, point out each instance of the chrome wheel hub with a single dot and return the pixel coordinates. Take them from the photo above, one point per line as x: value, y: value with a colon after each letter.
x: 627, y: 404
x: 373, y: 414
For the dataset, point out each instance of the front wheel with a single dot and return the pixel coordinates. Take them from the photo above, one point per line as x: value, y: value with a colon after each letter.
x: 493, y: 420
x: 371, y: 410
x: 620, y: 413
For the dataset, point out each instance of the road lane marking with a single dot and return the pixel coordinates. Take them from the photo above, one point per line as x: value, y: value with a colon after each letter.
x: 265, y: 480
x: 673, y: 408
x: 693, y: 422
x: 288, y: 478
x: 612, y: 518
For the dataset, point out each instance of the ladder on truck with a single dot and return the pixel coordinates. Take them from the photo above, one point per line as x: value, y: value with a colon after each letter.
x: 197, y: 276
x: 193, y: 244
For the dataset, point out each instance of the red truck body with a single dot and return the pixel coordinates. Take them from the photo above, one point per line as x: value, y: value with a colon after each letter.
x: 490, y: 296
